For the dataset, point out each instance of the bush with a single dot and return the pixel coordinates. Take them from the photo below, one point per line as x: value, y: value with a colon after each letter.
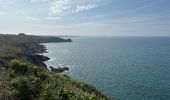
x: 26, y: 88
x: 65, y: 94
x: 17, y: 67
x: 21, y: 88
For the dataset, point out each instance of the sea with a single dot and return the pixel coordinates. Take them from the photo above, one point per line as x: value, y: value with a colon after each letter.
x: 123, y: 68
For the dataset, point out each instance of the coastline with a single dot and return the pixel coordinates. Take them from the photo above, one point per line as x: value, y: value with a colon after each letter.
x: 25, y: 48
x: 19, y: 56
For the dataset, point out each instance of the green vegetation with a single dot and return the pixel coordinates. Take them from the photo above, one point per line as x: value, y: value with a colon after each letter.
x: 24, y: 48
x: 28, y: 82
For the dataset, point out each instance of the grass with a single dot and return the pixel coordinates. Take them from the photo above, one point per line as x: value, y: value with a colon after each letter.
x: 28, y: 82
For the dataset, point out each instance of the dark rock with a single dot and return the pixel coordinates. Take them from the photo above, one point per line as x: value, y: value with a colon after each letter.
x: 59, y: 69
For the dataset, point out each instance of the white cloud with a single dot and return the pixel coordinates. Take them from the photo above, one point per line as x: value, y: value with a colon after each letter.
x: 32, y: 18
x: 39, y: 0
x: 3, y: 13
x: 53, y: 18
x: 81, y: 8
x: 59, y: 8
x: 65, y: 7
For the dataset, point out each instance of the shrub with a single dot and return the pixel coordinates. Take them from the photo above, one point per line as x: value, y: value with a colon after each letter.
x: 21, y: 88
x: 65, y: 94
x: 17, y: 67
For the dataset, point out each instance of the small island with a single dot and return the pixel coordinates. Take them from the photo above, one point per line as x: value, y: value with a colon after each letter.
x: 24, y: 75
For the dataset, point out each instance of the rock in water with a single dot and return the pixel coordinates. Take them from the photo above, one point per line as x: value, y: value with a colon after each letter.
x: 59, y: 69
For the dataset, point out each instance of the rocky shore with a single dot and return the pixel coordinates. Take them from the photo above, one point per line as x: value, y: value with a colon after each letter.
x: 25, y: 48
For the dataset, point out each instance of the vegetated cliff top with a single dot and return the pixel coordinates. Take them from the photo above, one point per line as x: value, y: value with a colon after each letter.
x: 22, y: 38
x: 28, y: 82
x: 24, y: 47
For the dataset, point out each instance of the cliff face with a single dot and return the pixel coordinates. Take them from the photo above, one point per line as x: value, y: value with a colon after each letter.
x: 25, y: 48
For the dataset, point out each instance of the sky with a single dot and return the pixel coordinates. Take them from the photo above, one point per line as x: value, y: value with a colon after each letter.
x: 86, y: 17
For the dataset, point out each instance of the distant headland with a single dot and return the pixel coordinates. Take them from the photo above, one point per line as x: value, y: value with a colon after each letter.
x: 25, y: 48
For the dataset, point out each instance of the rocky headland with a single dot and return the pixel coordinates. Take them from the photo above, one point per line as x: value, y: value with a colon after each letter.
x: 25, y: 48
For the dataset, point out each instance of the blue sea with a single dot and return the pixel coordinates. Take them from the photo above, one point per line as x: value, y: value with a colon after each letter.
x: 123, y: 68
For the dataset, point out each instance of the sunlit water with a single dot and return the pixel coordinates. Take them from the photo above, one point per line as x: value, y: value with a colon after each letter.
x: 124, y: 68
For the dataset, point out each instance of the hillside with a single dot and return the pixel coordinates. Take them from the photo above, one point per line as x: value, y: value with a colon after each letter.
x: 25, y: 48
x: 28, y: 82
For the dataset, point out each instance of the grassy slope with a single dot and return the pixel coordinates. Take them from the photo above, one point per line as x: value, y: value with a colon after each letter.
x: 28, y: 82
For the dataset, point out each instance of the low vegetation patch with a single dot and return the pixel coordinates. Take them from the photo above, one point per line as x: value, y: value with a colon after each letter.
x: 28, y: 82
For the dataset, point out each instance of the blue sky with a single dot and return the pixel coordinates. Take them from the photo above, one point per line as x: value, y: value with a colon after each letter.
x: 86, y: 17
